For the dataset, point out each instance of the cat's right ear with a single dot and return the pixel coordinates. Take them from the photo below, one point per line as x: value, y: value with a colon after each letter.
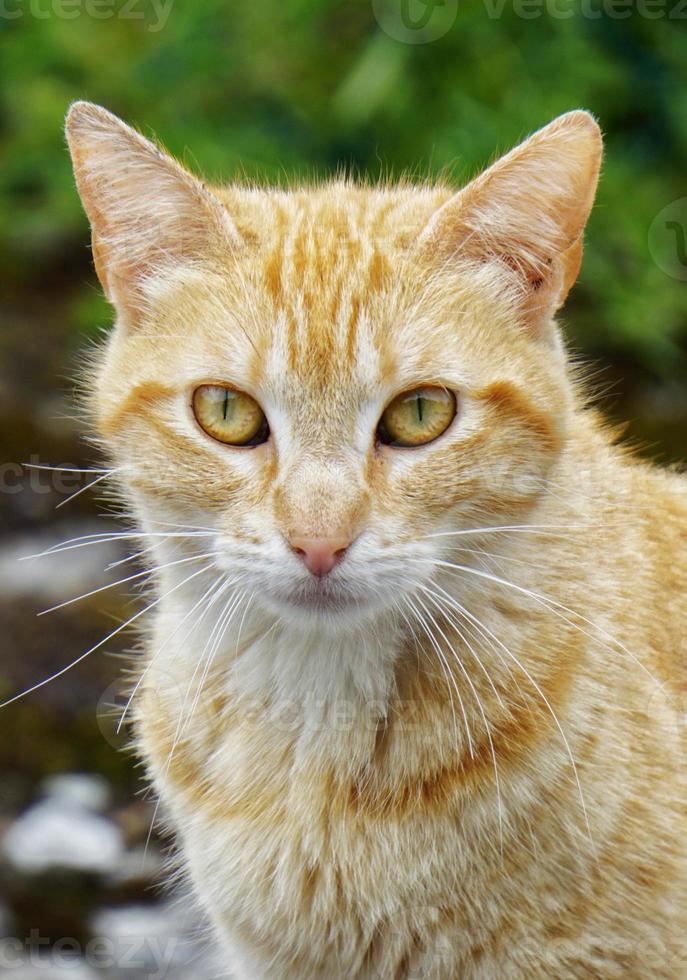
x: 148, y: 214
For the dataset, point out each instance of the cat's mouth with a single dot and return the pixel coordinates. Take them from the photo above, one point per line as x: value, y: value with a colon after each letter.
x: 320, y: 596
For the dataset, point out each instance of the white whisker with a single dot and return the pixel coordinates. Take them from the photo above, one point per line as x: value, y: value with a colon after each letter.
x: 215, y: 587
x: 480, y: 708
x: 498, y: 528
x: 449, y: 676
x: 552, y: 604
x: 88, y: 486
x: 436, y: 599
x: 101, y: 643
x: 558, y: 725
x: 64, y: 469
x: 147, y: 572
x: 206, y: 658
x: 106, y: 537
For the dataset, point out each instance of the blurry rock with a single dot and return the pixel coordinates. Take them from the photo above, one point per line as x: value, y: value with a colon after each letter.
x: 60, y: 576
x: 34, y: 969
x: 153, y: 940
x: 84, y: 790
x: 65, y: 831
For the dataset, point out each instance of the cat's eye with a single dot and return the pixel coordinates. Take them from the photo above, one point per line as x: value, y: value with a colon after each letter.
x: 417, y: 417
x: 230, y: 416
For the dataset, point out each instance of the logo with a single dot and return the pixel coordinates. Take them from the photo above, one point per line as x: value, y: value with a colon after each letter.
x: 415, y: 21
x: 668, y: 239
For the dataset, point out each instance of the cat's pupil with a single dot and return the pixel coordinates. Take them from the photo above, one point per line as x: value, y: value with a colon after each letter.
x: 419, y: 407
x: 226, y: 405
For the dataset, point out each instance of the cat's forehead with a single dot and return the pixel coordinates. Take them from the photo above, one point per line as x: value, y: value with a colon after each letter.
x: 324, y: 313
x: 310, y: 220
x: 329, y: 274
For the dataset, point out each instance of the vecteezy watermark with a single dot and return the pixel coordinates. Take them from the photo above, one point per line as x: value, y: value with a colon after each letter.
x: 587, y: 9
x: 116, y: 710
x: 42, y: 478
x: 422, y: 21
x: 113, y: 712
x: 148, y: 956
x: 153, y: 13
x: 415, y: 21
x: 668, y: 239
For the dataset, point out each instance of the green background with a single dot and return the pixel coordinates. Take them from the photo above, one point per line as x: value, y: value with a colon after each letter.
x: 270, y: 90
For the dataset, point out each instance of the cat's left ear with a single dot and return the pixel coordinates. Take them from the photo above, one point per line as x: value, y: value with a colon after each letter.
x: 148, y: 214
x: 527, y: 213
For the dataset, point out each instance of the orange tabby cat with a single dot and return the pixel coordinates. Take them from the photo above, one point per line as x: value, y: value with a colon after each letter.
x: 412, y: 693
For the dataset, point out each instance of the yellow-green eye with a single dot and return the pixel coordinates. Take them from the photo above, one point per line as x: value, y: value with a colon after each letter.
x: 417, y: 417
x: 230, y: 416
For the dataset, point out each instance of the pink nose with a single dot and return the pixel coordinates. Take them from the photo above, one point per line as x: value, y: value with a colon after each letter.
x: 319, y: 555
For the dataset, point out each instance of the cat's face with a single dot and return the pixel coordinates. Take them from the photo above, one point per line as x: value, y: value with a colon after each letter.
x: 325, y: 381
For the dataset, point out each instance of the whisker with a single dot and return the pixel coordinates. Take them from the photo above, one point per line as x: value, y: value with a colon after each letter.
x: 123, y: 561
x: 243, y: 619
x: 207, y: 655
x: 106, y: 537
x: 218, y: 586
x: 475, y: 622
x: 480, y: 707
x: 186, y: 527
x: 88, y: 486
x: 527, y: 528
x: 449, y: 676
x: 64, y: 469
x: 552, y: 604
x: 229, y: 615
x: 557, y: 723
x: 147, y: 572
x: 436, y: 599
x: 418, y: 650
x: 101, y: 643
x: 495, y: 556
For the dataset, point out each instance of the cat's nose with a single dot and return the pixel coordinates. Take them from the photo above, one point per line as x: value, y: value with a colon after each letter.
x: 320, y: 555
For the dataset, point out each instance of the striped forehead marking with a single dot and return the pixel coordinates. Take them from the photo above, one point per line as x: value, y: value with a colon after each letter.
x: 325, y: 263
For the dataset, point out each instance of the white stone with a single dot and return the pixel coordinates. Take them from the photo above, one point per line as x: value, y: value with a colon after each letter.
x: 58, y: 834
x: 158, y: 940
x: 80, y: 789
x: 50, y: 579
x: 17, y: 967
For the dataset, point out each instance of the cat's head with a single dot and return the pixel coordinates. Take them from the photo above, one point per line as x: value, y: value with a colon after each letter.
x: 329, y: 378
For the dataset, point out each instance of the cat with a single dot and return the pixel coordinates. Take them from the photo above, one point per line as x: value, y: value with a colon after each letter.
x: 412, y: 695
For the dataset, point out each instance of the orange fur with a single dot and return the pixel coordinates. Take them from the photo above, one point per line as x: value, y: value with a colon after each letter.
x: 471, y: 762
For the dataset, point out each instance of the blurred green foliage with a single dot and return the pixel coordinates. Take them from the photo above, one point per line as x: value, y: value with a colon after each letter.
x: 301, y: 87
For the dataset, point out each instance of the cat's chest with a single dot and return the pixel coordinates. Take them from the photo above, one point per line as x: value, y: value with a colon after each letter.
x: 296, y: 865
x: 279, y: 820
x: 303, y: 838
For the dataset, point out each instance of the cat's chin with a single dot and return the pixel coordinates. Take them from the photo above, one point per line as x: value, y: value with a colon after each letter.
x: 320, y: 604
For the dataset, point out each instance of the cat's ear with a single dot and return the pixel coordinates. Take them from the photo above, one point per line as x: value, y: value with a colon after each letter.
x: 527, y: 211
x: 148, y: 214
